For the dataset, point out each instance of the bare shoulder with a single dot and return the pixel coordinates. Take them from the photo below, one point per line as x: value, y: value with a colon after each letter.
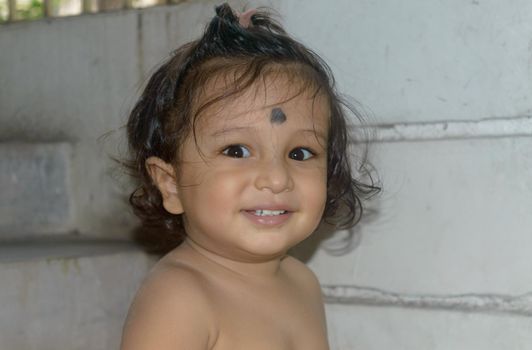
x: 309, y: 290
x: 170, y: 311
x: 302, y: 275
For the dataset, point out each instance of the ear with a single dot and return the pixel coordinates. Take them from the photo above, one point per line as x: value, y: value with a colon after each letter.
x: 164, y: 177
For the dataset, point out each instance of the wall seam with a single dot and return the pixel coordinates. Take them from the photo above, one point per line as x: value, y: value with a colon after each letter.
x: 445, y: 130
x: 474, y: 302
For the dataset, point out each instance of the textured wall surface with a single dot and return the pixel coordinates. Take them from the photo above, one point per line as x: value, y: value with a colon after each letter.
x: 67, y: 295
x: 35, y: 181
x: 74, y: 80
x: 442, y: 260
x: 63, y: 84
x: 424, y: 60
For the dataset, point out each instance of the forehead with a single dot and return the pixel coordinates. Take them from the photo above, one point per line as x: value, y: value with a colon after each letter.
x: 299, y: 100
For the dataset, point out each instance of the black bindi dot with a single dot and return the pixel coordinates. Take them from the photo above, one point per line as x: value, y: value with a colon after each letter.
x: 278, y: 116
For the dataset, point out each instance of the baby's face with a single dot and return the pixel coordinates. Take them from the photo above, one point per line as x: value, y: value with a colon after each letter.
x: 253, y: 183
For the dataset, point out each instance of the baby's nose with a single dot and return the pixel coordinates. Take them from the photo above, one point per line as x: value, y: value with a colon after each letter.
x: 275, y: 176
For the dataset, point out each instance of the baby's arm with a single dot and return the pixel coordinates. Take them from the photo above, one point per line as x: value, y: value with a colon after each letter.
x: 169, y: 312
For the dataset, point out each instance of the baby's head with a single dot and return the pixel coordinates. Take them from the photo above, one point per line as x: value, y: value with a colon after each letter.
x: 248, y: 93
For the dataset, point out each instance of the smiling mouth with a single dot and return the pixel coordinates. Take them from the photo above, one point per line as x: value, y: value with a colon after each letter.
x: 268, y: 217
x: 265, y: 212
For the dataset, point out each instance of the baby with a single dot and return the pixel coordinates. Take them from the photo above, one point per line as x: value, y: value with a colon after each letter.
x: 240, y: 144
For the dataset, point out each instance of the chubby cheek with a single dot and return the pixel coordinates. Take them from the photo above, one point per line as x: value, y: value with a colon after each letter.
x: 314, y: 194
x: 321, y: 198
x: 320, y: 202
x: 214, y: 193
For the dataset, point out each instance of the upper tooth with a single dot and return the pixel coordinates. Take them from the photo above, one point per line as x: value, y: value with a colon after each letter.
x: 268, y: 212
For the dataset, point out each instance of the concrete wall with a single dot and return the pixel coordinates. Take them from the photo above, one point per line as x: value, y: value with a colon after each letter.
x: 442, y: 262
x: 74, y: 80
x: 63, y: 84
x: 67, y: 295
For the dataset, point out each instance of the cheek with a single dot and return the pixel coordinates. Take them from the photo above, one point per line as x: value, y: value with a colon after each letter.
x: 212, y: 191
x: 322, y: 195
x: 315, y: 189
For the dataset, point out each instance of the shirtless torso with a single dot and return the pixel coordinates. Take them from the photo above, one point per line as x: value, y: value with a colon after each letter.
x: 192, y: 302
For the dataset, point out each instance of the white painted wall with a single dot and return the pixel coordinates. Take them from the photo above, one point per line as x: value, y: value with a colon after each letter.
x: 67, y: 295
x: 444, y: 263
x: 424, y: 60
x: 74, y: 80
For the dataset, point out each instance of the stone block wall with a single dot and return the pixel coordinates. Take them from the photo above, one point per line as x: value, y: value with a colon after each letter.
x: 73, y: 81
x: 36, y: 189
x: 442, y: 261
x: 67, y: 295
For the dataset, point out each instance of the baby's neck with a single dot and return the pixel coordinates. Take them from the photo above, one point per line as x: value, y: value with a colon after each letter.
x: 257, y: 270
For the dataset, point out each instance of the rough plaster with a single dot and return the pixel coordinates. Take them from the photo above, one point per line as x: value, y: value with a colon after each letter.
x: 424, y: 60
x: 35, y: 180
x: 384, y: 328
x: 453, y: 218
x: 74, y: 80
x: 75, y: 298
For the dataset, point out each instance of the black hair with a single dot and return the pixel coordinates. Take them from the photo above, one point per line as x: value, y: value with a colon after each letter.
x: 166, y: 112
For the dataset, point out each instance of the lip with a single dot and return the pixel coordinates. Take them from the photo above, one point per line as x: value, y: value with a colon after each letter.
x: 273, y: 220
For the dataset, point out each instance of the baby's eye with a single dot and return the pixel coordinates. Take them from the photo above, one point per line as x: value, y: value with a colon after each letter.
x: 300, y: 154
x: 236, y: 151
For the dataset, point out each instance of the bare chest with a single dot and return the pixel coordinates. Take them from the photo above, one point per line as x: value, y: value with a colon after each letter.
x: 282, y: 319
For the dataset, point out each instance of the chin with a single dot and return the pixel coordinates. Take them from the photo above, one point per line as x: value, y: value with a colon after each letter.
x: 271, y: 246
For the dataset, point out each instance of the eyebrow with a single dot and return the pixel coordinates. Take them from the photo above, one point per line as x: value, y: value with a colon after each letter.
x: 239, y: 129
x: 232, y: 130
x: 316, y: 132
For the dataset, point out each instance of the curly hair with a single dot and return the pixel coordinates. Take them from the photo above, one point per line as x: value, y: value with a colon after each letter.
x: 165, y: 115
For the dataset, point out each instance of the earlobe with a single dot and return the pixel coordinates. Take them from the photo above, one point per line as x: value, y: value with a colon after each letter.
x: 164, y: 177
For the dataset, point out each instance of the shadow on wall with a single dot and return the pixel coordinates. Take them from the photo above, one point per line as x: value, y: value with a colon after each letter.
x: 334, y: 242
